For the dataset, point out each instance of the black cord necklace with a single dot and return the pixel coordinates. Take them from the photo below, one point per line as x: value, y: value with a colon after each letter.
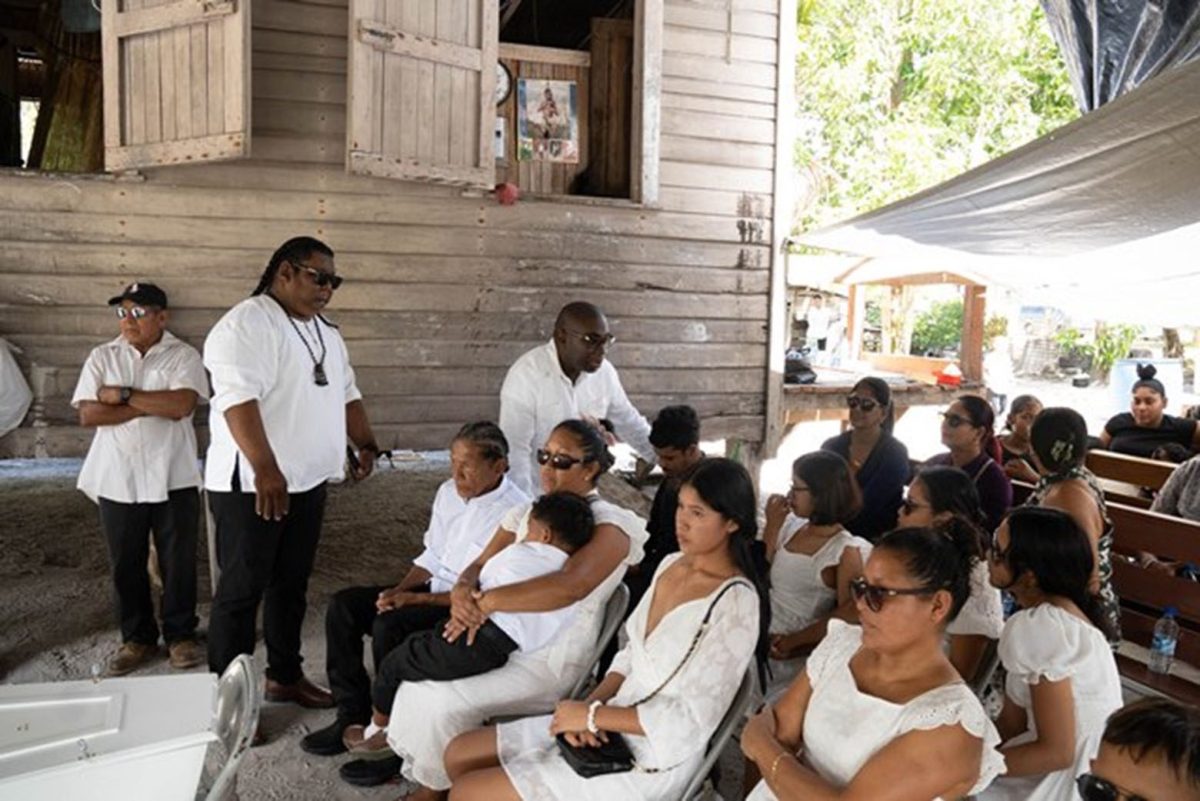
x: 319, y: 377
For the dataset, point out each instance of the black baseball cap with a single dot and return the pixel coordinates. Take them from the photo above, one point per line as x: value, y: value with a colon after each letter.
x: 143, y: 293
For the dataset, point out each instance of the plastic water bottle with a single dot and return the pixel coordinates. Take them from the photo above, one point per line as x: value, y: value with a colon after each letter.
x: 1162, y: 647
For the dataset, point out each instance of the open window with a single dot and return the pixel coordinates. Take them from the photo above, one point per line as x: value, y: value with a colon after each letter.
x: 557, y: 98
x: 176, y: 81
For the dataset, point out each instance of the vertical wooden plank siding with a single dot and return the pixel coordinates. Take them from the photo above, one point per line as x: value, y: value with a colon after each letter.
x: 216, y: 77
x: 444, y: 287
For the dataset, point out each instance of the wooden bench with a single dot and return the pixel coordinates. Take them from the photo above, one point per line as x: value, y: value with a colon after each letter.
x: 1122, y: 476
x: 1145, y: 593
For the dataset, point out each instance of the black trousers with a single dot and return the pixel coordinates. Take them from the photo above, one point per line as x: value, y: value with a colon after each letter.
x: 350, y: 616
x: 127, y: 530
x: 426, y: 656
x: 268, y: 561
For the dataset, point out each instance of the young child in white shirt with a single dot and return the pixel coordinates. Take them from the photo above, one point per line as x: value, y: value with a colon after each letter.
x: 560, y: 523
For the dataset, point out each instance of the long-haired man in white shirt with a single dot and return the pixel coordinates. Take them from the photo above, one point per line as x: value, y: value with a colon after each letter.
x: 284, y: 401
x: 568, y: 377
x: 138, y: 391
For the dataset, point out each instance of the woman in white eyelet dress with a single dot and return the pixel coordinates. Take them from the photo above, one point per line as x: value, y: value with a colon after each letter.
x: 665, y: 702
x: 879, y: 710
x: 1054, y: 649
x: 813, y: 559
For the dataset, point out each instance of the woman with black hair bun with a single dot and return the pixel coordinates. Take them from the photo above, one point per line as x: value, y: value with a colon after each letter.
x: 879, y: 711
x: 878, y: 461
x: 1059, y: 438
x: 1062, y: 681
x: 945, y: 498
x: 967, y: 430
x: 1147, y: 425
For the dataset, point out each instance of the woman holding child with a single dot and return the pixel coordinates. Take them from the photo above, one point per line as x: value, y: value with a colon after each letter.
x: 690, y: 642
x: 425, y: 716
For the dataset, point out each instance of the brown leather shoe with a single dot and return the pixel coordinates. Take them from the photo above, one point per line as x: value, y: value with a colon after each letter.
x: 185, y: 654
x: 302, y: 692
x: 130, y: 656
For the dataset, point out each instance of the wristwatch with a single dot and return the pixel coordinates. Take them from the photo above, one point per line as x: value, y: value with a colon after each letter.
x: 126, y: 394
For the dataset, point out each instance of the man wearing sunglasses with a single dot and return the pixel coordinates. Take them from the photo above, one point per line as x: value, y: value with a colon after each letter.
x: 1150, y: 752
x: 138, y: 391
x: 568, y: 377
x: 284, y: 401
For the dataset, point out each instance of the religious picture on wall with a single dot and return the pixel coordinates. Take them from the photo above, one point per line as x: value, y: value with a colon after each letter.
x: 547, y: 121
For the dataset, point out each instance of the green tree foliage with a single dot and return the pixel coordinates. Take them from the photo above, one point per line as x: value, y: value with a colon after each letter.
x: 898, y: 95
x: 939, y: 328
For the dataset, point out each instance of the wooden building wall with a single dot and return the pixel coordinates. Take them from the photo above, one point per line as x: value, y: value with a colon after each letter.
x: 444, y: 288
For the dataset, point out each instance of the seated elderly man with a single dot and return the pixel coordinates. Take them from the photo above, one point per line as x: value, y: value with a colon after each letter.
x: 466, y: 512
x: 566, y: 378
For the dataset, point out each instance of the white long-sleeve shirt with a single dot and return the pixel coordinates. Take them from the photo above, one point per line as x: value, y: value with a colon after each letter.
x: 537, y: 396
x: 254, y: 354
x: 143, y: 459
x: 460, y: 528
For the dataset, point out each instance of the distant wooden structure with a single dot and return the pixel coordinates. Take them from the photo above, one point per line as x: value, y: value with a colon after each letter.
x: 233, y: 125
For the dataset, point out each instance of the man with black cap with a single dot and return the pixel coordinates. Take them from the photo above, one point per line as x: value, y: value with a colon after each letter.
x: 139, y: 391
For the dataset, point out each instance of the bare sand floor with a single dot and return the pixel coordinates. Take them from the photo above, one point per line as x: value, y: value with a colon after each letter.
x: 58, y: 620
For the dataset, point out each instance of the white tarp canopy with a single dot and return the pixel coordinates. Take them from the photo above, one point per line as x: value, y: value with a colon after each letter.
x: 1101, y: 216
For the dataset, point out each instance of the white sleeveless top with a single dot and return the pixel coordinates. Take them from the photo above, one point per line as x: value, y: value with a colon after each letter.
x: 798, y: 595
x: 844, y: 727
x: 983, y: 613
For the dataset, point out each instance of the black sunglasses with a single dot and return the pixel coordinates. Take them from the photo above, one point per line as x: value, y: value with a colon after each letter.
x: 1092, y: 788
x: 866, y: 404
x: 320, y: 277
x: 875, y: 595
x: 559, y: 461
x: 594, y: 340
x: 908, y: 505
x: 955, y: 420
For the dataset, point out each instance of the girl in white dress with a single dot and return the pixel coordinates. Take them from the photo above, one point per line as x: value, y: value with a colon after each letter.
x: 1062, y: 679
x: 879, y: 712
x: 426, y: 716
x: 813, y: 559
x: 670, y: 686
x: 943, y: 497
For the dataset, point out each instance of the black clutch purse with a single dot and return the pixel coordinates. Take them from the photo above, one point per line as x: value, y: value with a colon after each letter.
x: 613, y: 756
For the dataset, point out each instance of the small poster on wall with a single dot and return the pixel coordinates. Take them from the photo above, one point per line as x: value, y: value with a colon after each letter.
x: 547, y: 121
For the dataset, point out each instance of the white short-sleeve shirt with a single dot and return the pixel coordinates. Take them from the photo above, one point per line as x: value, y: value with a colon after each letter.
x: 519, y: 562
x: 460, y: 528
x: 141, y: 460
x: 255, y: 354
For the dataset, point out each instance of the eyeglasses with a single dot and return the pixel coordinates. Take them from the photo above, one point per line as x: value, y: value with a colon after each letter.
x: 955, y: 420
x: 909, y: 505
x: 866, y: 404
x: 136, y: 312
x: 875, y: 595
x: 320, y: 277
x: 559, y: 461
x: 995, y: 553
x: 796, y: 489
x: 1092, y: 788
x: 594, y: 340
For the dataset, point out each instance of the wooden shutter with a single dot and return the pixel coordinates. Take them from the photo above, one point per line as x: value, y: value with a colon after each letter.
x: 422, y: 83
x: 176, y: 81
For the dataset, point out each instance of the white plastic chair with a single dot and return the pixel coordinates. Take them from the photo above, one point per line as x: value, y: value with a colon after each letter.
x: 614, y: 614
x: 733, y: 717
x: 234, y: 722
x: 987, y: 667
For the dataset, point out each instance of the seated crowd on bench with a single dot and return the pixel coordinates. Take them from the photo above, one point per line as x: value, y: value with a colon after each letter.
x: 854, y: 635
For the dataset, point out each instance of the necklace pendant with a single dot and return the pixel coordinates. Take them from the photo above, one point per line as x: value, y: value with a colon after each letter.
x: 319, y: 375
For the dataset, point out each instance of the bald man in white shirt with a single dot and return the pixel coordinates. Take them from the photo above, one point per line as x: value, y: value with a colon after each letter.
x: 568, y: 377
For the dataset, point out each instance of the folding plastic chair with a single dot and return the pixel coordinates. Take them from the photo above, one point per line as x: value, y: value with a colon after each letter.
x: 614, y: 614
x: 733, y: 717
x: 234, y: 722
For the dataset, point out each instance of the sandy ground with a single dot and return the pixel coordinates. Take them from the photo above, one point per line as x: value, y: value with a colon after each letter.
x: 56, y: 603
